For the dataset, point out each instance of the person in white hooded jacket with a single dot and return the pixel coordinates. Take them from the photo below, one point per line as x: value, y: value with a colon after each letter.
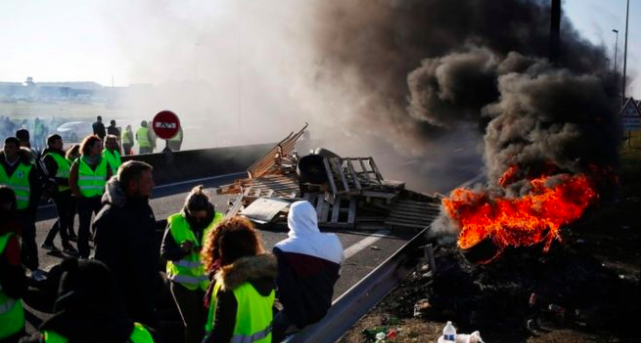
x: 309, y: 265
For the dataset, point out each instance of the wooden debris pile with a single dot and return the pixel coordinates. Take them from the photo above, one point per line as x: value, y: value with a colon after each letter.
x: 353, y: 194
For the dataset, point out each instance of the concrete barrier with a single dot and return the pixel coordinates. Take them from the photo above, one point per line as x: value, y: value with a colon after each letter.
x: 193, y: 164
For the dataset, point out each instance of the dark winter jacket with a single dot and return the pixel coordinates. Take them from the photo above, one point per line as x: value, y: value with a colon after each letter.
x: 13, y: 280
x: 309, y: 265
x: 87, y: 309
x: 99, y: 129
x: 259, y: 271
x: 125, y: 242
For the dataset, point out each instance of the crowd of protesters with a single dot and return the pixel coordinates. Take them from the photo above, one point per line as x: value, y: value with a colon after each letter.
x: 222, y: 280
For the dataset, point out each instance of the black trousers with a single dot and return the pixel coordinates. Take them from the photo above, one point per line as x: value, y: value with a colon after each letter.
x: 192, y: 311
x: 65, y: 205
x: 86, y: 208
x: 29, y: 249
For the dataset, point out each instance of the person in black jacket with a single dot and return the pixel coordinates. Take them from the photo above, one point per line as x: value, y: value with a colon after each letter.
x: 13, y: 281
x: 309, y: 265
x: 125, y: 239
x: 88, y: 308
x: 58, y: 167
x: 99, y: 128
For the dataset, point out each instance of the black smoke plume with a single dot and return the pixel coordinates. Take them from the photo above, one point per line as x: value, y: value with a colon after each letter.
x: 426, y: 66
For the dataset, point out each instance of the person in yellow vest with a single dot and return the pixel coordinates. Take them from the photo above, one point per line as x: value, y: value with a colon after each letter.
x: 144, y: 139
x: 127, y: 140
x: 18, y: 173
x: 176, y: 141
x: 87, y: 179
x: 13, y: 281
x: 88, y: 308
x: 58, y: 167
x: 183, y: 239
x: 243, y: 294
x: 39, y: 132
x: 111, y: 153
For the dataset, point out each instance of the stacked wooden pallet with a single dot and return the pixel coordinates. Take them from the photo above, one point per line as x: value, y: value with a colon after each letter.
x: 412, y: 214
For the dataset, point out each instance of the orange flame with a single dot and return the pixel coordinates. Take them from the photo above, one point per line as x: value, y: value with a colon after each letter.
x: 525, y: 221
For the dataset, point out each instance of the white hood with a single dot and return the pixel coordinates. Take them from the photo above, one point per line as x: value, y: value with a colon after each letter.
x: 305, y: 237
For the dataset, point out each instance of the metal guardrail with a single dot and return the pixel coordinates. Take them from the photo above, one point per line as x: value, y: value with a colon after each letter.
x: 350, y: 307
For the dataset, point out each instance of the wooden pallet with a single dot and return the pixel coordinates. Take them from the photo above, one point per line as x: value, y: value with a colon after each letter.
x: 268, y: 162
x: 340, y: 213
x: 412, y: 214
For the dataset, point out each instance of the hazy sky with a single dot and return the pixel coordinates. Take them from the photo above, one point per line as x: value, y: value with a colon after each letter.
x: 79, y: 40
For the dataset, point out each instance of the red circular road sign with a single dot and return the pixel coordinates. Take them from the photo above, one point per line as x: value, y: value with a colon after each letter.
x: 166, y: 124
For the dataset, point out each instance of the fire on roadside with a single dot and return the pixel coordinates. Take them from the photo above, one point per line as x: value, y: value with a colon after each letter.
x: 531, y: 219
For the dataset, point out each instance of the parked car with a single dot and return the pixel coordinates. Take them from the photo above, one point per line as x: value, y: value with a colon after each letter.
x: 74, y: 131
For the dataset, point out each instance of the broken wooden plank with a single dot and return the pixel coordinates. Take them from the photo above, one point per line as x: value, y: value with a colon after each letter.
x: 324, y: 212
x: 336, y: 211
x: 364, y: 171
x: 378, y: 174
x: 247, y: 191
x: 351, y: 216
x: 237, y: 204
x: 330, y: 176
x: 336, y: 163
x: 319, y: 205
x: 350, y: 167
x: 270, y: 193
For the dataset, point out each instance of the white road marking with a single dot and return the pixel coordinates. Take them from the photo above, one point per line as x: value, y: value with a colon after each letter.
x: 364, y: 243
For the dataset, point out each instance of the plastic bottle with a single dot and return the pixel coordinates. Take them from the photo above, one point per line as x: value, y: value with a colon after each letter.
x: 449, y: 332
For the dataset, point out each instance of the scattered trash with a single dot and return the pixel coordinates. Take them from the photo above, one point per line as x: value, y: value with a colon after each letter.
x: 372, y: 334
x: 449, y: 332
x: 374, y: 247
x: 474, y: 337
x: 391, y: 334
x: 420, y: 307
x: 380, y: 337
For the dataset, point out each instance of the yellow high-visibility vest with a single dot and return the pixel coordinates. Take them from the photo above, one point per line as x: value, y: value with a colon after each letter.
x: 11, y: 310
x: 92, y: 182
x: 63, y: 169
x: 189, y: 271
x: 19, y: 182
x: 113, y: 159
x: 142, y: 135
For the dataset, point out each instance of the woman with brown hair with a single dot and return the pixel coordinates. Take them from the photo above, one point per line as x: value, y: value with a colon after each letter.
x: 87, y: 179
x: 184, y: 237
x: 243, y: 288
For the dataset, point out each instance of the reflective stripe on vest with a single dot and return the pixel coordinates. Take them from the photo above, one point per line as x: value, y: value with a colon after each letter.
x: 11, y: 310
x: 19, y: 182
x: 140, y: 334
x: 142, y: 135
x: 253, y: 317
x: 113, y: 159
x: 92, y: 182
x: 63, y: 169
x: 189, y: 271
x: 253, y: 338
